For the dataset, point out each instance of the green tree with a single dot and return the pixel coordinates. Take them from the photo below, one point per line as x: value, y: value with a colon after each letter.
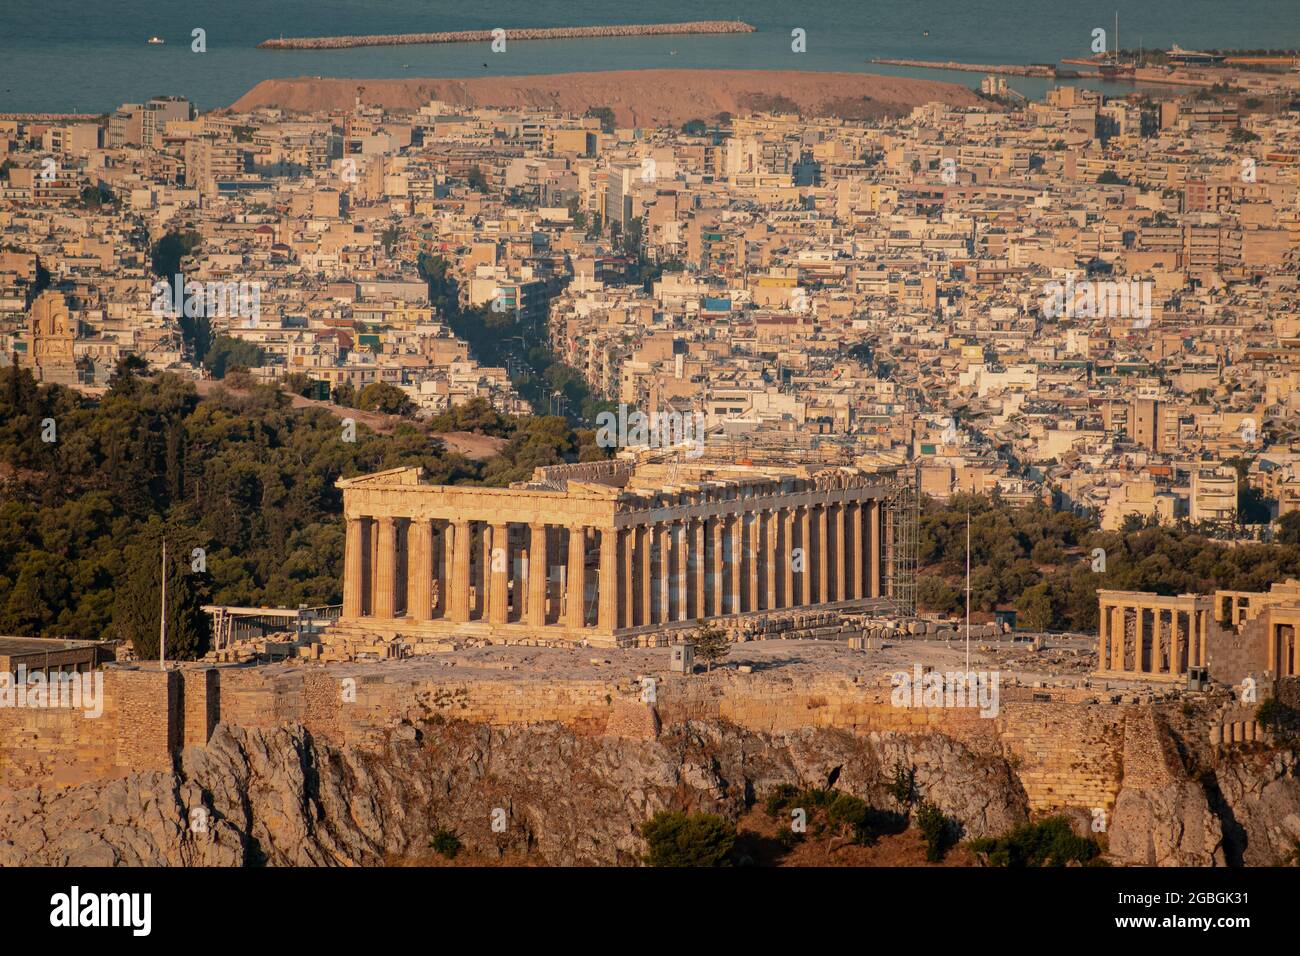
x: 228, y: 353
x: 1289, y: 528
x: 675, y: 839
x: 382, y: 397
x: 605, y: 115
x: 138, y: 596
x: 711, y: 644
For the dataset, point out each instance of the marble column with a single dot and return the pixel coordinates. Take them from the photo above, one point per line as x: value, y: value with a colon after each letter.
x: 447, y: 571
x: 873, y: 548
x: 1139, y: 633
x: 1175, y: 644
x: 752, y: 558
x: 1103, y: 640
x: 537, y: 571
x: 499, y: 574
x: 607, y: 582
x: 1157, y: 666
x: 419, y: 582
x: 575, y: 579
x: 1119, y: 635
x: 771, y: 559
x: 372, y: 566
x: 386, y: 573
x: 718, y: 552
x: 353, y: 568
x: 681, y: 580
x: 699, y: 569
x: 627, y: 544
x: 645, y: 572
x: 823, y: 553
x: 788, y: 599
x: 458, y: 592
x: 807, y: 584
x: 664, y: 543
x: 841, y: 552
x: 736, y: 584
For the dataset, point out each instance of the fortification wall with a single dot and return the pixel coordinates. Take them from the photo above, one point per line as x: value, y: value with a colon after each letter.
x: 138, y: 725
x: 1068, y: 752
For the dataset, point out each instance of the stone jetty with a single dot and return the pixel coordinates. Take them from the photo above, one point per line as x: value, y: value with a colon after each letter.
x: 485, y: 36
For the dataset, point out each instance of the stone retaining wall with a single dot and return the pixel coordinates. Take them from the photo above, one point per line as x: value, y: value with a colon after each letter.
x: 1070, y: 752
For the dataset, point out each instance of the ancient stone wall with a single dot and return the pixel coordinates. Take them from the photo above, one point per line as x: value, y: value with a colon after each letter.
x: 139, y: 727
x: 1233, y: 655
x: 1068, y: 752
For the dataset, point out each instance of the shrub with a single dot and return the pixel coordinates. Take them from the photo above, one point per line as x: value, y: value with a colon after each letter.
x: 675, y: 839
x: 1276, y: 716
x: 1050, y: 842
x: 938, y: 830
x: 855, y: 814
x: 781, y: 798
x: 445, y: 843
x: 903, y: 787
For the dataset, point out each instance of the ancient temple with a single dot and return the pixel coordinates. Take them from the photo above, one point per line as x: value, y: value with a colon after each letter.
x: 610, y: 553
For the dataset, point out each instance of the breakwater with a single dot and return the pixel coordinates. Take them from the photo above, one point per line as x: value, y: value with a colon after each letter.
x: 486, y: 36
x: 1013, y: 69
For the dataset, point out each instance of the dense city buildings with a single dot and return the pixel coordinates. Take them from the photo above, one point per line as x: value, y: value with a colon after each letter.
x: 498, y: 442
x: 1082, y: 300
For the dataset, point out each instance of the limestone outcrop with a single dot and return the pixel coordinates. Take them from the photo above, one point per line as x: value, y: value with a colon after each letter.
x: 280, y: 797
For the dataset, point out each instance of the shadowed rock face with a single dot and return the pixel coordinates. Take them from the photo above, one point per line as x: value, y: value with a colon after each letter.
x: 280, y: 798
x: 637, y: 97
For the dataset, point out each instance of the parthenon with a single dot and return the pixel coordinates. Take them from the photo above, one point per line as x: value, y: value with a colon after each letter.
x: 611, y: 553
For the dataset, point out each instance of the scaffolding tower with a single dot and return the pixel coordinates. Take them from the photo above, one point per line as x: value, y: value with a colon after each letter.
x: 902, y: 532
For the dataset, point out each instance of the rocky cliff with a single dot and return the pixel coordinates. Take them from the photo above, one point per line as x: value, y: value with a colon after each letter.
x: 280, y: 797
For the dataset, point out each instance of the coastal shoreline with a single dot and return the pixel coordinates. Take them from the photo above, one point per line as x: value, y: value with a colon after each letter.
x: 694, y: 27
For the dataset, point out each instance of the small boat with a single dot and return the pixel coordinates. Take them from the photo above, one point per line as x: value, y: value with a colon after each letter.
x: 156, y: 41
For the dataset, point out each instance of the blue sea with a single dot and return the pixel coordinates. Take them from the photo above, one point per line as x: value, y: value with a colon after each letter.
x: 92, y: 55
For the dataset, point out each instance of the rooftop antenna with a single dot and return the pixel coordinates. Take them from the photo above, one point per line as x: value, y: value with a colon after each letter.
x: 162, y: 620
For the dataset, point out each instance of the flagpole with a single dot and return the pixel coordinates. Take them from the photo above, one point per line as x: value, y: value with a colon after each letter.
x: 968, y: 592
x: 162, y: 620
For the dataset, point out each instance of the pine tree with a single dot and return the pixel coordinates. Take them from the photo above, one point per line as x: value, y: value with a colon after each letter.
x: 711, y: 644
x: 137, y: 598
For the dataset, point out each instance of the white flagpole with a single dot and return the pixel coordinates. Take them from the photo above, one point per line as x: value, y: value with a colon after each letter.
x: 968, y: 592
x: 162, y: 621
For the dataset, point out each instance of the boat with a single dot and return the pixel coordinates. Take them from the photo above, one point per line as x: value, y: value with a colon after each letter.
x: 1112, y: 68
x: 156, y: 41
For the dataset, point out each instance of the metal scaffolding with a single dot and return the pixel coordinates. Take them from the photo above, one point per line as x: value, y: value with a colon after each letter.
x: 902, y: 532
